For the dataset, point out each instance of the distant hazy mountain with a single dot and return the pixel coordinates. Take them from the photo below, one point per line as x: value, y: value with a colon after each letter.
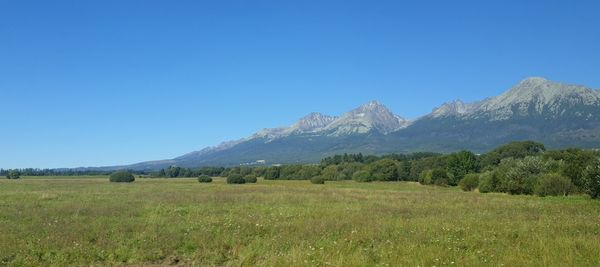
x: 554, y: 113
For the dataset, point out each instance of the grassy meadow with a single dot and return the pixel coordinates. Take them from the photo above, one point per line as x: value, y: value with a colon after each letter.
x: 65, y: 221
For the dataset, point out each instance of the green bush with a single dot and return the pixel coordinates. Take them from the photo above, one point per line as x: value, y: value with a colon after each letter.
x: 317, y: 180
x: 520, y: 176
x: 362, y: 176
x: 440, y: 177
x: 205, y: 179
x: 553, y: 185
x: 13, y: 174
x: 121, y: 177
x: 250, y: 179
x: 235, y: 178
x: 591, y: 178
x: 469, y: 182
x: 425, y: 177
x: 488, y: 182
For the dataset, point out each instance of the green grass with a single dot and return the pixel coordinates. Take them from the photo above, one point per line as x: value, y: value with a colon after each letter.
x: 61, y: 222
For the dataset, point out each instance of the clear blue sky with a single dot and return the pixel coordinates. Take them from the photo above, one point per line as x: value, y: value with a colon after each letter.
x: 91, y: 83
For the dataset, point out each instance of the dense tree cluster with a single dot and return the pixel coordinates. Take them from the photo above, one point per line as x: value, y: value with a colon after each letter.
x: 179, y: 172
x: 515, y: 168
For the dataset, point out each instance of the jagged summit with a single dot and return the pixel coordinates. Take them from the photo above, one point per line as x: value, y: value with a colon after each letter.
x: 539, y: 95
x: 534, y: 95
x: 372, y: 116
x: 454, y: 108
x: 368, y: 117
x: 372, y: 105
x: 312, y: 122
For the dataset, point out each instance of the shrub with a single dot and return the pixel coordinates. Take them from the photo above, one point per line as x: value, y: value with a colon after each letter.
x: 488, y: 182
x: 235, y: 178
x: 469, y: 182
x: 439, y: 177
x: 317, y: 180
x: 520, y: 176
x: 591, y: 178
x: 13, y: 174
x: 425, y: 177
x: 553, y: 185
x: 121, y: 177
x: 362, y: 176
x: 250, y: 178
x: 205, y: 179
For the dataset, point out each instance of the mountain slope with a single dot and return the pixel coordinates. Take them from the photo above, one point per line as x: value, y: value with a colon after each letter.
x: 538, y: 109
x: 557, y: 114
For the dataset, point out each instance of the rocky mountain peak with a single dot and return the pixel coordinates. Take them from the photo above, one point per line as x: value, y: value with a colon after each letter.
x: 370, y: 116
x: 312, y: 122
x: 453, y: 107
x: 539, y: 95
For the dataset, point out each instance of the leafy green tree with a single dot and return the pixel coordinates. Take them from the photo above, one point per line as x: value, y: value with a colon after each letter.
x: 245, y: 170
x: 459, y: 164
x: 173, y: 172
x: 469, y: 182
x: 425, y: 177
x: 404, y: 170
x: 330, y: 172
x: 522, y: 177
x: 362, y: 176
x: 553, y: 184
x: 440, y: 177
x: 259, y: 171
x: 272, y: 173
x: 290, y: 172
x: 384, y: 170
x: 488, y: 182
x: 517, y: 150
x: 347, y: 170
x: 591, y: 178
x: 13, y: 174
x: 308, y: 171
x: 575, y: 161
x: 430, y: 162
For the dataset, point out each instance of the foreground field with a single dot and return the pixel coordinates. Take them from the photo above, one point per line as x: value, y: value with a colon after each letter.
x: 288, y: 223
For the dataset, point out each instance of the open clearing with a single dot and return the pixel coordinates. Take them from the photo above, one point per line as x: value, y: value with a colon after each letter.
x: 90, y: 221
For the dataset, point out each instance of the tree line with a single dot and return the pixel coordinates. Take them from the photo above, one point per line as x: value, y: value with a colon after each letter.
x: 60, y: 172
x: 524, y: 167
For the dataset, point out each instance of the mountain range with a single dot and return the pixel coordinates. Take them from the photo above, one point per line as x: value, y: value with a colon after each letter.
x: 556, y: 114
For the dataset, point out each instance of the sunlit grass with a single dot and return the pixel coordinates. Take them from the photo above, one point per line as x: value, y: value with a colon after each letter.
x: 180, y: 221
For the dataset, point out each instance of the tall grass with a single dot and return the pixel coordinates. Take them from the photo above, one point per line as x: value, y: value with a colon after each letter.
x: 283, y: 223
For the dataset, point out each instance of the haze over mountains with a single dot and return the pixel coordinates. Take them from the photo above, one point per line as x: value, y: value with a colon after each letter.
x: 556, y: 114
